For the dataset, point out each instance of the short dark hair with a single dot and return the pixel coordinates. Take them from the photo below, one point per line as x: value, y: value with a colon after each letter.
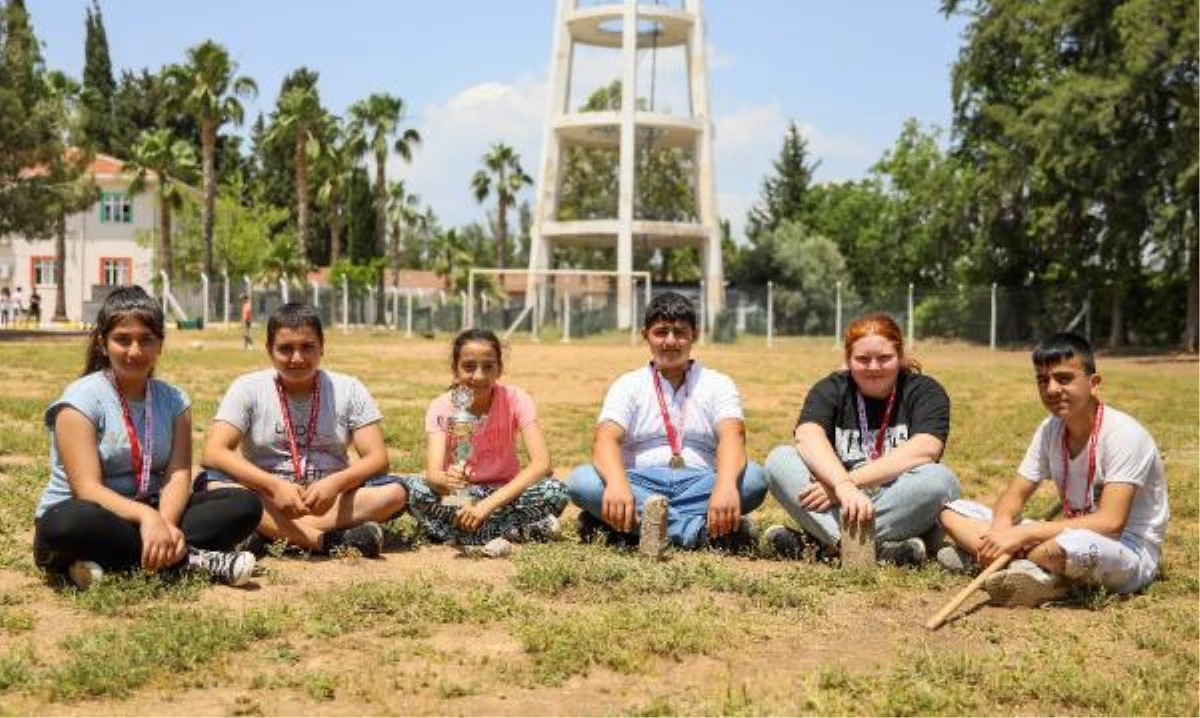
x: 294, y: 315
x: 131, y: 302
x: 669, y: 306
x: 1061, y: 347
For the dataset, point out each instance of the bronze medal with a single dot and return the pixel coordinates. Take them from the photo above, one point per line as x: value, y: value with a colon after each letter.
x: 676, y: 461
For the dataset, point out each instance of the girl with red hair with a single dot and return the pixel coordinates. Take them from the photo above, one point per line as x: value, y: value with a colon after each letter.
x: 867, y: 443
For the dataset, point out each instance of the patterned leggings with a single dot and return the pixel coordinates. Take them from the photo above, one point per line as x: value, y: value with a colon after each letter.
x: 516, y: 521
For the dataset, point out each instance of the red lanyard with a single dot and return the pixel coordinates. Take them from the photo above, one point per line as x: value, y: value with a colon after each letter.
x: 141, y: 460
x: 873, y: 452
x: 1068, y: 510
x: 314, y: 409
x: 675, y: 439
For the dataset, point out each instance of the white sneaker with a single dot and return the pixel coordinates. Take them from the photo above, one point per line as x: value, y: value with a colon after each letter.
x: 232, y: 568
x: 85, y: 573
x: 1024, y: 583
x: 497, y: 548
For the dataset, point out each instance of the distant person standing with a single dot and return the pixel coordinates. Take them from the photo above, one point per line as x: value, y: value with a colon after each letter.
x: 35, y: 309
x: 17, y: 308
x: 247, y: 315
x: 5, y: 307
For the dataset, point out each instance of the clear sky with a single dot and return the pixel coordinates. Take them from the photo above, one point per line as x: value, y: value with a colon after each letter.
x: 475, y: 72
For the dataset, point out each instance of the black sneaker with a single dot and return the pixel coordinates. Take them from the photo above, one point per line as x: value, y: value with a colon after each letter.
x: 544, y: 530
x: 742, y: 541
x: 256, y: 544
x: 366, y: 539
x: 908, y: 552
x: 788, y: 543
x: 592, y: 530
x: 232, y: 568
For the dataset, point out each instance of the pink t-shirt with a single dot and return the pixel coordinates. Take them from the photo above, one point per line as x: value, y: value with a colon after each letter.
x: 494, y: 443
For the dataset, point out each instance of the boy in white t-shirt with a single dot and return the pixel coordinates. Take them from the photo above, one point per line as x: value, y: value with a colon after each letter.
x: 674, y: 428
x: 1111, y: 481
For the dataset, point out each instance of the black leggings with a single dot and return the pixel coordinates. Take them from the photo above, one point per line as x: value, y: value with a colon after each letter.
x: 76, y: 530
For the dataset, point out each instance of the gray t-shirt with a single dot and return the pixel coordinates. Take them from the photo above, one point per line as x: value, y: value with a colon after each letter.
x: 252, y: 406
x: 95, y: 397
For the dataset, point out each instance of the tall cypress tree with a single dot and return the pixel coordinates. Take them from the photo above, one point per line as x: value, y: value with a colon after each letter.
x: 98, y: 126
x: 360, y: 218
x: 784, y: 196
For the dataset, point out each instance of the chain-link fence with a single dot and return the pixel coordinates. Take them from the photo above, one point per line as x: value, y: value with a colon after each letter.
x: 984, y: 315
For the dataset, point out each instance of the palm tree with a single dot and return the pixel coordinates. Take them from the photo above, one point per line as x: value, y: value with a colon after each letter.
x: 170, y: 161
x: 404, y: 213
x: 207, y: 89
x: 372, y: 122
x: 299, y: 121
x: 336, y: 159
x: 70, y: 189
x: 502, y: 172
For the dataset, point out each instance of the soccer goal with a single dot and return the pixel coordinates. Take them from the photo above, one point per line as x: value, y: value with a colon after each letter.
x: 570, y: 302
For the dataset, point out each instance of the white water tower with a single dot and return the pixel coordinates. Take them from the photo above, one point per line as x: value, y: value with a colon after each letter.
x: 645, y: 46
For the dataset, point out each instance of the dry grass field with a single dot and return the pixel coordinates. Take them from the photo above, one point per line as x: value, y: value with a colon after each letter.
x: 572, y: 629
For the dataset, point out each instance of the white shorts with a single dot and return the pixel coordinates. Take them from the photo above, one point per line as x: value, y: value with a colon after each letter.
x: 1122, y: 566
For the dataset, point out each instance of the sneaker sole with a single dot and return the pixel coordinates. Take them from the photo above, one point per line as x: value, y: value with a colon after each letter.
x: 1017, y: 588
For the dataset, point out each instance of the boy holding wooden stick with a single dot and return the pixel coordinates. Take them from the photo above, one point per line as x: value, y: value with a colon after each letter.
x: 1109, y: 477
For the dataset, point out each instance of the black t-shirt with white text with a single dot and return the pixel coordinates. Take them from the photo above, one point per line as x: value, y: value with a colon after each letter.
x: 921, y: 407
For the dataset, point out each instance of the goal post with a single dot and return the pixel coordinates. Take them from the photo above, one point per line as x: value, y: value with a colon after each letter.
x: 541, y: 292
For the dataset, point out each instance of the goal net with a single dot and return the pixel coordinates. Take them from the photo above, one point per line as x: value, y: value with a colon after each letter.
x: 556, y: 303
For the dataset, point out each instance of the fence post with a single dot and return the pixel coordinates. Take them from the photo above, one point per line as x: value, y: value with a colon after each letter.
x: 225, y: 305
x: 204, y: 292
x: 316, y: 293
x: 770, y: 315
x: 166, y: 291
x: 1087, y: 317
x: 703, y: 312
x: 372, y: 307
x: 566, y: 322
x: 408, y: 314
x: 992, y: 328
x: 633, y: 322
x: 912, y: 337
x: 466, y: 310
x: 283, y: 289
x: 345, y: 304
x: 837, y: 323
x: 469, y: 309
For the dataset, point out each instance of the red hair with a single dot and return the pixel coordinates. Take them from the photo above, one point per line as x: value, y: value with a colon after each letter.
x: 882, y: 325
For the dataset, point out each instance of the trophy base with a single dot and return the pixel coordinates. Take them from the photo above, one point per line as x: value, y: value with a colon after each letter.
x: 458, y: 500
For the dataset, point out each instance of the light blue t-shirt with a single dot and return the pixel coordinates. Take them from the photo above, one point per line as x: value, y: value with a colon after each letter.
x: 95, y: 397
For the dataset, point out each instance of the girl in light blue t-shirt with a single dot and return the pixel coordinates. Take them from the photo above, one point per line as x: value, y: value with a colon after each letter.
x: 119, y: 495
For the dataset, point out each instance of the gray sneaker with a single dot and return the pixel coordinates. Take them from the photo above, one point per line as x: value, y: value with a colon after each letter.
x: 366, y: 538
x: 955, y: 560
x: 84, y: 574
x: 908, y: 552
x: 1024, y: 583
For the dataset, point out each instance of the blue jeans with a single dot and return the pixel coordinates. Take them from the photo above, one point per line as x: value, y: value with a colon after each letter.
x: 687, y: 490
x: 906, y: 506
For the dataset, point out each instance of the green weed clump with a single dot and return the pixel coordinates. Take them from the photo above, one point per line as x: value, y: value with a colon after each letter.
x: 624, y: 638
x: 408, y: 608
x: 116, y: 661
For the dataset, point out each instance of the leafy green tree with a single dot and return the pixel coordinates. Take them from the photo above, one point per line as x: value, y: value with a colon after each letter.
x: 172, y: 162
x: 503, y: 175
x: 807, y: 268
x: 98, y: 128
x: 208, y: 89
x: 29, y: 134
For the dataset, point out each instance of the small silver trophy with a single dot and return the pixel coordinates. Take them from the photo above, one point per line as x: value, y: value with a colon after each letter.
x: 461, y: 425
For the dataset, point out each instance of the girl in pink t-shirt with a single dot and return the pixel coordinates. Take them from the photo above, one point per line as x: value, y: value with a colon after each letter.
x: 503, y: 501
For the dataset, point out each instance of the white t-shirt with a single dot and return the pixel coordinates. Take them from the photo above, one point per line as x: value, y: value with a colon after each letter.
x: 705, y: 398
x: 252, y: 406
x: 1125, y: 453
